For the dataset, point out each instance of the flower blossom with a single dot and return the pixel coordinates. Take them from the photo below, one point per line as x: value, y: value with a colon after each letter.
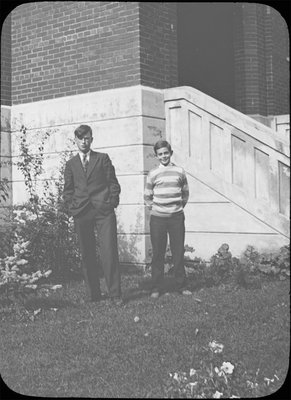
x: 31, y: 286
x: 217, y: 395
x: 22, y: 261
x: 216, y: 347
x: 227, y: 367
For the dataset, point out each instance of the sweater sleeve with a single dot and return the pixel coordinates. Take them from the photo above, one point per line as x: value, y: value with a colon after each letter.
x: 185, y: 190
x: 148, y: 193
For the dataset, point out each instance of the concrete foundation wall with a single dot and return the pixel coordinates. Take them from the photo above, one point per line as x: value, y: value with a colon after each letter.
x: 237, y: 168
x: 125, y: 123
x: 5, y: 160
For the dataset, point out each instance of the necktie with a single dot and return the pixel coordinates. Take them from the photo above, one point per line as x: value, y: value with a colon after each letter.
x: 85, y: 162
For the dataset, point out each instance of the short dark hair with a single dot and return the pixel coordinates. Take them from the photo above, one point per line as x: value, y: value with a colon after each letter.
x: 81, y: 131
x: 162, y: 143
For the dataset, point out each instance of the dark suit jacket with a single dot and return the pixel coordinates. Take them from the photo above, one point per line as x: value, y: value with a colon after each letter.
x: 99, y: 186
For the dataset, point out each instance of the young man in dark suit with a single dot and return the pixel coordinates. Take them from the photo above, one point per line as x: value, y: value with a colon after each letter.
x: 91, y: 192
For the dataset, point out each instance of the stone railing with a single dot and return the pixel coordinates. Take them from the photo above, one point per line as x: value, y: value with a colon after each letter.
x: 234, y: 155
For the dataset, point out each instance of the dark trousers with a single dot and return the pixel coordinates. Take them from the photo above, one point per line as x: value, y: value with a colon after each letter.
x: 85, y: 224
x: 160, y: 227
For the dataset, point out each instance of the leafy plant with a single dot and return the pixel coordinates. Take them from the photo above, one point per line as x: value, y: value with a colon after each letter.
x: 17, y: 276
x: 212, y: 377
x: 4, y: 190
x: 247, y: 271
x: 275, y: 264
x: 41, y: 225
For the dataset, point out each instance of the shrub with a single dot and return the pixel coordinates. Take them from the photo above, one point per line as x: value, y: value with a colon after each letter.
x: 247, y: 271
x: 51, y: 236
x: 275, y: 264
x: 42, y: 222
x: 18, y: 278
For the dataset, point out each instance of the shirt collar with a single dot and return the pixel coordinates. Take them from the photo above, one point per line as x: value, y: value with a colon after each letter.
x: 165, y: 166
x: 87, y: 155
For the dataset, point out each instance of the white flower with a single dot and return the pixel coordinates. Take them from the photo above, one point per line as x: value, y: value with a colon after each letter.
x: 21, y: 262
x: 136, y: 319
x: 176, y: 377
x: 217, y: 395
x: 47, y: 273
x: 216, y: 347
x: 227, y: 368
x: 10, y: 259
x: 31, y: 286
x: 192, y: 372
x: 16, y: 247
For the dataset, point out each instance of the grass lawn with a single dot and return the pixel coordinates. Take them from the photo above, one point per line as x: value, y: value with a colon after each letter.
x: 77, y: 349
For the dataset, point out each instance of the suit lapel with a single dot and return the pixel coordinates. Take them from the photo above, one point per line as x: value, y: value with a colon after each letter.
x: 77, y: 161
x: 92, y: 162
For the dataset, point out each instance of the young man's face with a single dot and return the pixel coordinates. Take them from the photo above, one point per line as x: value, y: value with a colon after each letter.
x: 84, y: 143
x: 164, y: 155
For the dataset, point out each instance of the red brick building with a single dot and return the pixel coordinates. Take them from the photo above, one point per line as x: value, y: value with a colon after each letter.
x: 54, y: 49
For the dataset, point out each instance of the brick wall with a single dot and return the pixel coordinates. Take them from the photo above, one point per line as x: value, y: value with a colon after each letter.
x: 67, y: 48
x: 261, y: 68
x: 239, y: 65
x: 277, y: 51
x: 158, y: 44
x: 250, y: 85
x: 6, y: 62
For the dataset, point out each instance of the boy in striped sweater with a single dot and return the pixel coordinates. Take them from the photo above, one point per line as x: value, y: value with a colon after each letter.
x: 166, y: 194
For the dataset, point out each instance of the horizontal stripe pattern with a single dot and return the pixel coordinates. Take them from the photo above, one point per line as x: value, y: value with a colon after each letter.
x: 166, y: 190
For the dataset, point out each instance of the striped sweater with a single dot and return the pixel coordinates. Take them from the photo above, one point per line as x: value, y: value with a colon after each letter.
x: 166, y: 191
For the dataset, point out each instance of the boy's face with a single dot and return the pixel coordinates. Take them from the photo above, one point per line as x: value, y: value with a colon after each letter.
x: 164, y: 155
x: 84, y: 143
